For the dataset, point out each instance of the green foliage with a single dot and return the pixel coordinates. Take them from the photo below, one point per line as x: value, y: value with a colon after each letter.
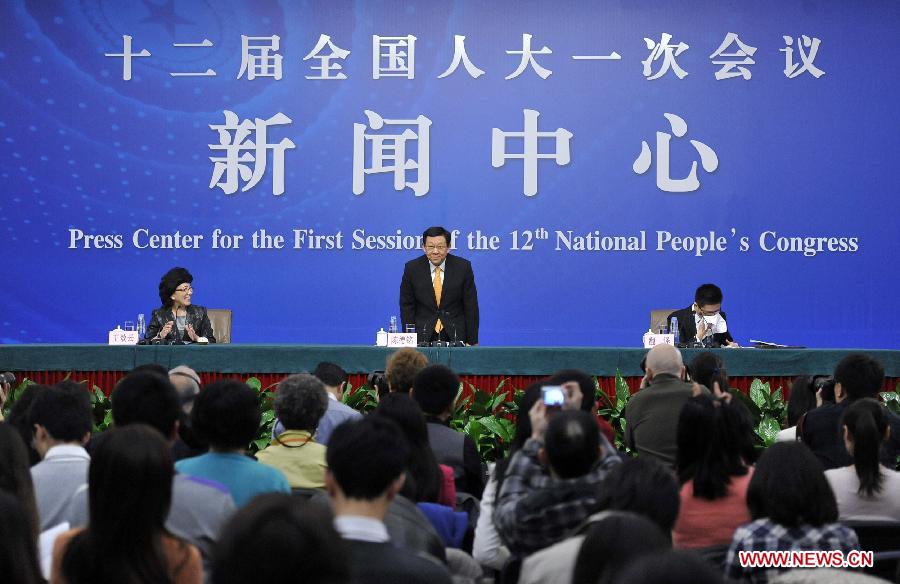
x: 101, y: 410
x: 364, y: 399
x: 767, y: 409
x: 265, y: 398
x: 614, y: 411
x: 892, y: 399
x: 486, y: 417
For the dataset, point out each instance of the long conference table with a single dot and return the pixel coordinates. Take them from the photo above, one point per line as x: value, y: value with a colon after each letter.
x: 481, y: 366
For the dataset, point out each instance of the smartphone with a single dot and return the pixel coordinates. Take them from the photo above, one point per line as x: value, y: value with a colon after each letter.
x: 554, y: 396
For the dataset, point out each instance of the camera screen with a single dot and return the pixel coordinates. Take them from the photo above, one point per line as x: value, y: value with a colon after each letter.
x: 553, y: 395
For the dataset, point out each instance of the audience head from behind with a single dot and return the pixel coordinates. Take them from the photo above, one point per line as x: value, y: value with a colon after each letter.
x: 226, y: 414
x: 423, y: 481
x: 15, y: 475
x: 187, y: 384
x: 435, y: 388
x: 19, y: 554
x: 789, y: 488
x: 664, y: 360
x: 671, y: 567
x: 366, y: 464
x: 333, y: 376
x: 154, y: 368
x: 301, y: 402
x: 571, y: 444
x: 865, y: 427
x: 402, y: 367
x: 294, y: 538
x: 130, y: 491
x: 20, y: 418
x: 857, y: 376
x: 712, y: 437
x: 612, y: 542
x: 708, y: 369
x: 804, y: 397
x: 643, y: 486
x: 61, y: 414
x: 146, y: 398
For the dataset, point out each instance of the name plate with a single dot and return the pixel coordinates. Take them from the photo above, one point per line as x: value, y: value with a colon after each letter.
x: 123, y: 337
x: 653, y: 339
x: 402, y: 339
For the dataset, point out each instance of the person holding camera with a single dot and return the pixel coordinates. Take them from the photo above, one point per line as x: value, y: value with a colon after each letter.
x: 178, y: 320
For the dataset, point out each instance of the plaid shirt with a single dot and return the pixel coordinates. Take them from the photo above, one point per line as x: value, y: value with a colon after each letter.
x: 766, y: 535
x: 535, y: 510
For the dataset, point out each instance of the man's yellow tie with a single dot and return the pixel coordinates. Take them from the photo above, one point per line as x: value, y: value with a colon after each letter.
x: 438, y: 288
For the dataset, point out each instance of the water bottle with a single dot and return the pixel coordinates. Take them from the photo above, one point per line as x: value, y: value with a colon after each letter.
x: 393, y: 327
x: 674, y: 329
x: 141, y: 326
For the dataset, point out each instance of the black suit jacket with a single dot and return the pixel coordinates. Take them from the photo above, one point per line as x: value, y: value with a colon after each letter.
x: 459, y: 298
x: 382, y: 563
x: 687, y: 329
x: 196, y: 316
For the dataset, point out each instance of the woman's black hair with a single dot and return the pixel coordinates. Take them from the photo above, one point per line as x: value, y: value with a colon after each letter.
x: 802, y: 398
x: 528, y: 398
x: 614, y: 541
x: 297, y: 540
x: 170, y: 281
x: 671, y: 567
x: 709, y: 446
x: 129, y: 494
x: 20, y: 419
x: 18, y: 554
x: 423, y: 476
x: 789, y: 487
x: 867, y: 424
x: 707, y: 368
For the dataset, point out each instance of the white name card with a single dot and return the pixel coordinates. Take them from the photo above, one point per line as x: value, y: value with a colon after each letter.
x: 123, y: 337
x: 402, y: 339
x: 653, y: 339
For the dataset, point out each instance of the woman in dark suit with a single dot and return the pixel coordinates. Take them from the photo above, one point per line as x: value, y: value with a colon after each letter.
x: 178, y: 319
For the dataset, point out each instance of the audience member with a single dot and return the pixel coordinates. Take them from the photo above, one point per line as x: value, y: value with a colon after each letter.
x: 18, y: 555
x: 488, y: 549
x: 226, y: 415
x: 335, y: 380
x: 293, y: 540
x: 804, y: 397
x: 708, y: 369
x: 62, y: 425
x: 426, y: 480
x: 857, y: 376
x: 535, y: 510
x: 187, y: 384
x: 435, y: 389
x: 366, y: 464
x: 612, y: 542
x: 793, y: 508
x: 651, y: 416
x: 865, y: 490
x: 402, y: 367
x: 300, y: 403
x: 199, y: 507
x: 15, y: 474
x: 713, y: 474
x: 20, y: 418
x: 126, y: 540
x: 673, y: 567
x: 588, y: 396
x: 638, y: 485
x: 153, y: 368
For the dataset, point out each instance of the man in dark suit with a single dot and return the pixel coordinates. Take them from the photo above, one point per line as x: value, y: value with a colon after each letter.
x: 703, y: 321
x: 437, y: 292
x: 366, y: 469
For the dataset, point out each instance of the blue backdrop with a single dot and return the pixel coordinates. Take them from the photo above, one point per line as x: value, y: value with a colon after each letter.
x: 84, y: 151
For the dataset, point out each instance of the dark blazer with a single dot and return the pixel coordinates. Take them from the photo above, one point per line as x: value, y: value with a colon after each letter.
x: 823, y: 434
x: 383, y: 563
x: 459, y: 298
x: 687, y: 329
x: 196, y: 315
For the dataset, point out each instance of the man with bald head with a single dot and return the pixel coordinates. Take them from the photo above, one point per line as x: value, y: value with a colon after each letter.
x: 651, y: 416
